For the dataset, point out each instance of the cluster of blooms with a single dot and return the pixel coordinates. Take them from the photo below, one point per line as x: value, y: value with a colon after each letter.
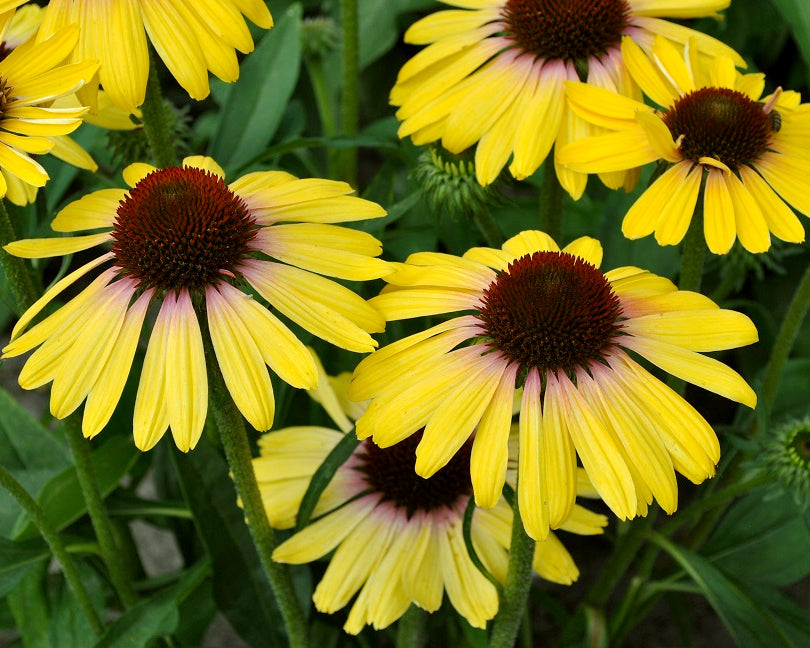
x: 538, y: 332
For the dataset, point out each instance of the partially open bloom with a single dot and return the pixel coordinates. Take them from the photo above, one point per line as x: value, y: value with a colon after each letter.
x: 191, y: 38
x: 551, y: 322
x: 715, y: 131
x: 494, y: 75
x: 398, y: 538
x: 32, y: 76
x: 184, y: 240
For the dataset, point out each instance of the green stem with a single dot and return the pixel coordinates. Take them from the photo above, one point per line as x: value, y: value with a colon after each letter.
x: 231, y: 428
x: 16, y: 269
x: 58, y: 549
x: 350, y: 95
x: 516, y: 588
x: 411, y: 628
x: 314, y: 66
x: 629, y: 613
x: 156, y: 123
x: 551, y: 202
x: 624, y: 554
x: 791, y: 323
x: 80, y: 448
x: 488, y: 227
x: 693, y: 252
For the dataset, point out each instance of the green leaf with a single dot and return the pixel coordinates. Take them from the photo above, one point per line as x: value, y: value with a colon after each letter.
x: 61, y: 499
x: 68, y: 626
x: 17, y: 559
x: 379, y: 25
x: 254, y: 106
x: 30, y: 453
x: 47, y: 613
x: 241, y: 589
x: 791, y: 396
x: 770, y: 528
x: 157, y: 616
x: 797, y: 15
x: 29, y: 607
x: 334, y: 460
x: 792, y: 619
x: 747, y: 621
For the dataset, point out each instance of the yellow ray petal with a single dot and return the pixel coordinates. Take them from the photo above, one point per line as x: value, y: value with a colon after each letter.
x: 107, y: 390
x: 559, y: 460
x: 718, y: 213
x: 656, y: 86
x: 151, y: 416
x: 781, y: 220
x: 177, y: 45
x: 186, y: 377
x: 678, y: 210
x: 323, y: 535
x: 240, y: 361
x: 490, y: 450
x: 97, y: 209
x: 598, y: 452
x: 532, y: 493
x: 455, y: 419
x: 541, y: 123
x: 642, y: 218
x: 83, y: 361
x: 50, y: 247
x: 695, y: 368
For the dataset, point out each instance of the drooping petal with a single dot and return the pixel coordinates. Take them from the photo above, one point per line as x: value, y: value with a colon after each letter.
x: 186, y: 377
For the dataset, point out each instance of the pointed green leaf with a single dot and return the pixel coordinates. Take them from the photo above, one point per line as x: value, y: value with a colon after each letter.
x: 29, y: 452
x: 769, y: 527
x: 155, y: 617
x: 254, y: 106
x: 61, y: 498
x: 241, y: 589
x: 747, y: 621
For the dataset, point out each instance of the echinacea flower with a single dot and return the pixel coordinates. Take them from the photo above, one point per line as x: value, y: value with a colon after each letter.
x: 492, y: 75
x: 398, y: 538
x: 550, y: 321
x: 191, y: 38
x: 714, y: 132
x: 32, y: 76
x: 184, y: 240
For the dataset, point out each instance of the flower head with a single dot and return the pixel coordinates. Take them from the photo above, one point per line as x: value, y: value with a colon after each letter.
x: 398, y: 538
x: 786, y: 456
x: 549, y: 321
x: 493, y: 76
x: 714, y: 131
x: 192, y: 38
x: 32, y: 77
x: 183, y: 239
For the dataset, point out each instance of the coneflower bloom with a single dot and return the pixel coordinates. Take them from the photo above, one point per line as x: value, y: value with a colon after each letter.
x: 713, y: 125
x: 398, y: 538
x: 550, y: 321
x: 184, y: 240
x: 493, y: 74
x: 191, y: 38
x: 32, y: 76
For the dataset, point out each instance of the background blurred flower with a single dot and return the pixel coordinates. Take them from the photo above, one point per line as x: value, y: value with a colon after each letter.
x: 494, y: 76
x: 183, y: 238
x: 715, y: 125
x: 551, y: 322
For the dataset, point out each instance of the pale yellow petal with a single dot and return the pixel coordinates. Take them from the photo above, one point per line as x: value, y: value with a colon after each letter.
x: 186, y: 377
x: 718, y: 213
